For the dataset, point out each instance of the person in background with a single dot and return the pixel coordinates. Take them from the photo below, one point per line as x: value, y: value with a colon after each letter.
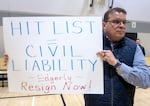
x: 139, y: 43
x: 124, y: 64
x: 4, y: 60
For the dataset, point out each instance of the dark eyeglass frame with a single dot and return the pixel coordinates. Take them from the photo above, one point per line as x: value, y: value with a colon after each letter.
x: 118, y: 22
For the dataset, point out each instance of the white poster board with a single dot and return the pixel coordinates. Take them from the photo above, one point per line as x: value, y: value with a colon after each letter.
x: 53, y: 55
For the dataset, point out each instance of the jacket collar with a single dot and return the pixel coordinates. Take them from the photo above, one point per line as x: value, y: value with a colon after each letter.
x: 108, y: 43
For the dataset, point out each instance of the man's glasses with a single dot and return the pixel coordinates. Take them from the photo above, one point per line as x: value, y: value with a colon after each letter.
x: 119, y: 22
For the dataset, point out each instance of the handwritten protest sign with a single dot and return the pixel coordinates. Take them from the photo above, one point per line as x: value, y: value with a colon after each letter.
x: 51, y: 55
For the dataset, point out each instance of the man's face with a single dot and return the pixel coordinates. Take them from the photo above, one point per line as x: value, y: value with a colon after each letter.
x: 115, y: 27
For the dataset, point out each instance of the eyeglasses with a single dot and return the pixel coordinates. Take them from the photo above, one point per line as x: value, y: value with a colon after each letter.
x: 119, y: 22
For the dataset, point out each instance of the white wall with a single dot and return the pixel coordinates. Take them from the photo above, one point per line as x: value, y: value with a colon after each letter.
x: 56, y: 7
x: 137, y: 9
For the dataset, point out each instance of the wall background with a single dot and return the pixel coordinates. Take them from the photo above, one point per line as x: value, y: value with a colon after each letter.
x: 145, y: 41
x: 137, y: 9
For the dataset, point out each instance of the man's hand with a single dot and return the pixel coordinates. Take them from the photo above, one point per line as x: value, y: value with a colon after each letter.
x: 108, y: 56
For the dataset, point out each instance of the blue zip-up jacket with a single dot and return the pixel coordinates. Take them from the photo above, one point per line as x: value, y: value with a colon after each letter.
x: 117, y: 92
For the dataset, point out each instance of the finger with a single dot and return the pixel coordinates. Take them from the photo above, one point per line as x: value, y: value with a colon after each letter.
x: 100, y: 54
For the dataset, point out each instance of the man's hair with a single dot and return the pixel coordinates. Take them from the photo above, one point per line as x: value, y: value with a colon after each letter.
x: 116, y: 9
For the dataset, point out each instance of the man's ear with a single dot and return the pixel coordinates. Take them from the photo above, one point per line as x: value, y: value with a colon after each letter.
x: 103, y: 25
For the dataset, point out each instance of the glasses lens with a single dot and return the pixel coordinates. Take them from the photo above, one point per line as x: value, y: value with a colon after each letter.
x: 118, y: 22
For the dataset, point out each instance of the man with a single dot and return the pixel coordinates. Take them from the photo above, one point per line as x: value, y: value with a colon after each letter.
x: 124, y: 64
x: 139, y: 43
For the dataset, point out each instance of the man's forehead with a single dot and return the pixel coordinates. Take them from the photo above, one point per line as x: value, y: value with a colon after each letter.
x: 117, y: 14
